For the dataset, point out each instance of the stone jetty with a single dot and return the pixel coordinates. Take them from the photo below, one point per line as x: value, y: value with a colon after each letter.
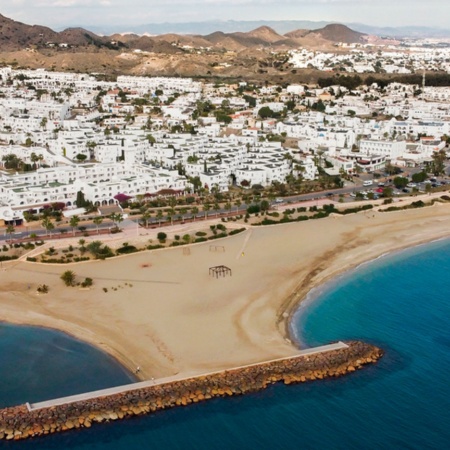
x: 24, y: 421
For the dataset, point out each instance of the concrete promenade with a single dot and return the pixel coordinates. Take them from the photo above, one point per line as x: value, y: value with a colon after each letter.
x: 160, y: 381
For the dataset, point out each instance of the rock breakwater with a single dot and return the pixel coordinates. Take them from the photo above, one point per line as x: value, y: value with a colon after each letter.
x: 23, y: 421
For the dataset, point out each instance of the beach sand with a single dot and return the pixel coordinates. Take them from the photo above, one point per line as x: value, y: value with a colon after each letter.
x: 164, y: 313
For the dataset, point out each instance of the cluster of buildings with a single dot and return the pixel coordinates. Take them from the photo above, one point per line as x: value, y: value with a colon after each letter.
x: 365, y: 58
x: 146, y: 136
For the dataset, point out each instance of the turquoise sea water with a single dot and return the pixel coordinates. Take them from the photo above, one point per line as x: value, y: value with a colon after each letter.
x: 400, y: 302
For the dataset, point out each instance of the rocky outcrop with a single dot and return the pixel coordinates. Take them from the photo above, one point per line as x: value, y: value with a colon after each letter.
x: 20, y: 423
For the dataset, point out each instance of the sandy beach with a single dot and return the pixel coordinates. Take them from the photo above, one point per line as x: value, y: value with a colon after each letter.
x: 164, y: 313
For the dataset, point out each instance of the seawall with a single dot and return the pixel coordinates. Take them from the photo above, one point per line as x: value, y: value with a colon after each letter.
x: 26, y: 421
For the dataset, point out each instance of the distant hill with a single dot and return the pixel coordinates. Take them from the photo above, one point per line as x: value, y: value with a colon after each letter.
x: 280, y: 26
x: 340, y: 33
x: 15, y: 36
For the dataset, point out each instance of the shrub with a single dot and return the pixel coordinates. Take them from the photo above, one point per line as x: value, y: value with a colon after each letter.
x: 154, y: 247
x: 31, y: 259
x: 200, y: 233
x: 200, y: 239
x: 7, y: 258
x: 217, y: 236
x: 253, y: 209
x: 268, y: 222
x: 87, y: 282
x: 43, y: 289
x: 68, y: 277
x: 126, y: 249
x: 80, y: 259
x: 161, y: 236
x: 239, y: 230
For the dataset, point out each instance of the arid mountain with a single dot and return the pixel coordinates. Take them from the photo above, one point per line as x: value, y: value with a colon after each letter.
x: 265, y: 33
x: 257, y: 55
x: 297, y: 34
x: 15, y: 36
x: 339, y: 33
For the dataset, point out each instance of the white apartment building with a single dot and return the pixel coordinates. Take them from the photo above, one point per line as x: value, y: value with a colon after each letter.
x: 389, y: 149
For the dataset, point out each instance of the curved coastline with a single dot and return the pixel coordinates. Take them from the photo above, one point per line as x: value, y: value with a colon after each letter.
x: 319, y: 290
x: 247, y: 319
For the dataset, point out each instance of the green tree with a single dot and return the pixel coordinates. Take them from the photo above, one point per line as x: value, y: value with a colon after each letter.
x: 388, y: 192
x: 117, y: 218
x: 265, y: 205
x: 265, y: 113
x: 419, y: 177
x: 80, y: 157
x: 400, y: 182
x: 80, y: 200
x: 438, y: 164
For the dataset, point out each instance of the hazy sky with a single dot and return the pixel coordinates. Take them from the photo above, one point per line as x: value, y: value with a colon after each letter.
x: 58, y: 13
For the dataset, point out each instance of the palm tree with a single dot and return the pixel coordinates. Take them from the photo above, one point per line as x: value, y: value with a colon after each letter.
x: 48, y: 225
x: 194, y: 212
x: 74, y: 221
x: 145, y: 216
x: 206, y: 208
x: 228, y: 207
x: 170, y: 215
x: 159, y: 216
x: 10, y: 230
x: 97, y: 221
x: 34, y: 159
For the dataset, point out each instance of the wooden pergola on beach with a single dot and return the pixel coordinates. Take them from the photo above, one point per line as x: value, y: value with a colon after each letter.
x: 220, y: 271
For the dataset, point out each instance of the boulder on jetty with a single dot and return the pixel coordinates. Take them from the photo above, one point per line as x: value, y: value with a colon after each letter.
x: 20, y: 423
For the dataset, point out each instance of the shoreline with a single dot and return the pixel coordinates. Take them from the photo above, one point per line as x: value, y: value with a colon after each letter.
x: 318, y: 290
x: 255, y: 317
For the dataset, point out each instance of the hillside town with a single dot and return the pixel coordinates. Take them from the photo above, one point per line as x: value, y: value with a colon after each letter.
x: 69, y: 134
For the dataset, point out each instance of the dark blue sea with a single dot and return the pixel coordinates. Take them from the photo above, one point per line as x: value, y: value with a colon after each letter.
x: 400, y: 302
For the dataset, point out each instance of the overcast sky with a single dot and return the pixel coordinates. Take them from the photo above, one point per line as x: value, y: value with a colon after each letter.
x: 60, y: 13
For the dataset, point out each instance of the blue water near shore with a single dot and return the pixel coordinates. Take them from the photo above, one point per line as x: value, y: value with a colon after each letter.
x: 400, y: 302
